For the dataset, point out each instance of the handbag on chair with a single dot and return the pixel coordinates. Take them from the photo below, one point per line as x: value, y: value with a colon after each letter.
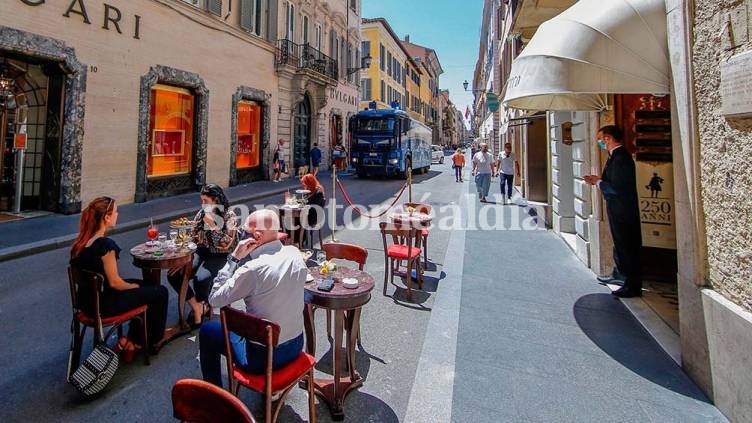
x: 93, y: 375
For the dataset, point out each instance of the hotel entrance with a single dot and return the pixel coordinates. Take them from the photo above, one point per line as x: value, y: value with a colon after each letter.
x: 31, y: 103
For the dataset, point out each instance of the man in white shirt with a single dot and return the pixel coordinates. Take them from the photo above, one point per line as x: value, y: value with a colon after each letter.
x: 483, y: 168
x: 271, y: 285
x: 507, y: 167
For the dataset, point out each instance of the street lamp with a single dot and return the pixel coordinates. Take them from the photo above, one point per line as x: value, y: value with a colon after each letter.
x: 365, y: 63
x: 465, y: 84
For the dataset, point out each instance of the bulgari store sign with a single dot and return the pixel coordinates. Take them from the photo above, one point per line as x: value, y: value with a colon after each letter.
x: 111, y: 18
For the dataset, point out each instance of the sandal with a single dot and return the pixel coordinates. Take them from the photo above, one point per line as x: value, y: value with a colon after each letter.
x: 126, y: 348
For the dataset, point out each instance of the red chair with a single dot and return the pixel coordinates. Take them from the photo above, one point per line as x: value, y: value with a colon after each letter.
x: 404, y: 245
x: 264, y: 332
x: 422, y: 208
x: 343, y: 251
x: 88, y: 285
x: 197, y: 401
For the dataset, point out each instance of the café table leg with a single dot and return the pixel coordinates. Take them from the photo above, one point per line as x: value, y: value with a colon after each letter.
x: 187, y: 270
x: 352, y: 330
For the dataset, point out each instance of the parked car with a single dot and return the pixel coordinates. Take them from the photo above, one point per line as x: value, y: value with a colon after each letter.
x: 437, y: 154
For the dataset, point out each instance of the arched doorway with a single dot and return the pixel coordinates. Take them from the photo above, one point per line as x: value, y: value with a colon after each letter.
x: 302, y: 134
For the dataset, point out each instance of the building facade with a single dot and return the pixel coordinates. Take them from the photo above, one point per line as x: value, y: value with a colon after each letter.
x: 390, y: 77
x: 318, y: 58
x: 430, y: 97
x: 685, y: 117
x: 110, y: 105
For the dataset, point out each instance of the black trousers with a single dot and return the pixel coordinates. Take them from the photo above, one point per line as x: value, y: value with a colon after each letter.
x: 154, y: 296
x: 205, y: 268
x: 627, y: 245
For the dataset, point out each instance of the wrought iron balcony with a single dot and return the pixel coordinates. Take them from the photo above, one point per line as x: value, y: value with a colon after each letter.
x: 303, y: 56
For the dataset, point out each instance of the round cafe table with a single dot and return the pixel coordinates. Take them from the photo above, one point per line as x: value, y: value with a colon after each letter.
x: 346, y: 304
x: 151, y: 268
x: 414, y: 219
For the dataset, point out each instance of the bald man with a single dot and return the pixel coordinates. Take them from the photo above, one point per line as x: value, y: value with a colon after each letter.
x: 271, y: 285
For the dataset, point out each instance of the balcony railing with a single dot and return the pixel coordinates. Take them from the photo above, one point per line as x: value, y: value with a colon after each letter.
x: 303, y: 56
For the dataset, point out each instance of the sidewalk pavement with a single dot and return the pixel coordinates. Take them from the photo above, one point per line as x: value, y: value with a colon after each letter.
x: 520, y: 332
x: 33, y: 235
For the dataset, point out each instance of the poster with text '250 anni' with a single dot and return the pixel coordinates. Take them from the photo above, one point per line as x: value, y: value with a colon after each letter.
x: 655, y: 189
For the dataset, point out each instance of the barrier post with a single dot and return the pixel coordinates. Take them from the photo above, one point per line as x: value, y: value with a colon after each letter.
x: 334, y: 200
x: 409, y: 185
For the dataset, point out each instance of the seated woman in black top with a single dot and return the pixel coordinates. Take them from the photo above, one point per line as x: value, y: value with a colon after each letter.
x: 94, y: 252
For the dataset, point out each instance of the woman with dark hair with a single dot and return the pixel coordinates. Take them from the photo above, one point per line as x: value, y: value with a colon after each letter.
x: 215, y: 235
x: 95, y: 252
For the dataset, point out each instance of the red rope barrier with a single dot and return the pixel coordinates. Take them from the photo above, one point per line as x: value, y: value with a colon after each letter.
x: 357, y: 210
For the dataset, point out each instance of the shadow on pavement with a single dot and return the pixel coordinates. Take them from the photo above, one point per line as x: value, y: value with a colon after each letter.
x: 607, y: 322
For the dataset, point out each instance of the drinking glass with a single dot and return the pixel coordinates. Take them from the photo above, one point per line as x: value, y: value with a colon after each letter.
x: 162, y: 240
x: 173, y: 236
x: 152, y: 233
x: 320, y: 257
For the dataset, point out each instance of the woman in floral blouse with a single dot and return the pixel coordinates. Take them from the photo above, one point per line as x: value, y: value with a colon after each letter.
x: 215, y: 234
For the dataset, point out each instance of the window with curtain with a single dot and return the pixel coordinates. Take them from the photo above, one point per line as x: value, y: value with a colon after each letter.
x: 249, y: 135
x: 171, y: 125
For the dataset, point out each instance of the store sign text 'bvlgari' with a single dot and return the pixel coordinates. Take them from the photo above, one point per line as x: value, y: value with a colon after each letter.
x: 340, y: 96
x: 112, y: 17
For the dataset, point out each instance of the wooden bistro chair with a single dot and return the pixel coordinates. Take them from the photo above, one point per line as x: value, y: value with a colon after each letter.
x: 349, y: 252
x: 197, y: 401
x: 85, y: 288
x: 266, y: 333
x: 422, y: 208
x: 401, y: 242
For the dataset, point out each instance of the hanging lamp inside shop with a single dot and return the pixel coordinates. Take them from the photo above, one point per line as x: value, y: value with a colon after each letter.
x: 592, y: 49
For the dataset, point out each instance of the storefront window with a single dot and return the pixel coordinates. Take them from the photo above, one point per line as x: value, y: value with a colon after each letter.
x: 171, y: 124
x: 249, y: 134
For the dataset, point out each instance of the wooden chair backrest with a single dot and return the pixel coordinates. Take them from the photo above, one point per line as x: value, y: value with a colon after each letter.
x: 400, y: 233
x: 250, y: 327
x: 341, y: 250
x: 194, y: 400
x: 87, y: 285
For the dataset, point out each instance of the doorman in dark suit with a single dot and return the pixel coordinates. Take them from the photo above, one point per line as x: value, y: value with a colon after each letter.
x: 618, y: 184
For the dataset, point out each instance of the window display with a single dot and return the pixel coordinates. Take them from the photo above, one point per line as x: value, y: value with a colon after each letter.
x: 171, y: 122
x: 249, y: 134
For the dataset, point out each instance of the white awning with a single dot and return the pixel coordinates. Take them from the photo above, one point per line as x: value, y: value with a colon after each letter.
x: 594, y: 48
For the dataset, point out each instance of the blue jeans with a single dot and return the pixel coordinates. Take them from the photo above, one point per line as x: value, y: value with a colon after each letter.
x: 483, y: 183
x: 249, y: 356
x: 458, y: 173
x: 506, y: 180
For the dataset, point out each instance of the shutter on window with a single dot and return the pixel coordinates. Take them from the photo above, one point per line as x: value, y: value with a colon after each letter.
x: 246, y: 14
x: 214, y: 7
x: 271, y: 21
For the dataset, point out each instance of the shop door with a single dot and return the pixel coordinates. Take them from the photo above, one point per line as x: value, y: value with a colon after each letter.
x: 302, y: 135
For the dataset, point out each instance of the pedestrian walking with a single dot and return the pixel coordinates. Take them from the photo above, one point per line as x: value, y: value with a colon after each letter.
x: 618, y: 184
x: 278, y: 162
x: 506, y: 167
x: 483, y: 168
x: 458, y: 162
x: 315, y: 159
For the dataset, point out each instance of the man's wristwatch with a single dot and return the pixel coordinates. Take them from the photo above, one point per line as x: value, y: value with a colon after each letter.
x: 232, y: 259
